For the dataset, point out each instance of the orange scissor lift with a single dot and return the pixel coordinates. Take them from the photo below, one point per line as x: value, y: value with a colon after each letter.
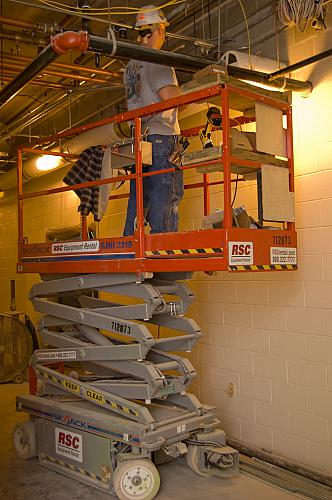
x: 104, y: 422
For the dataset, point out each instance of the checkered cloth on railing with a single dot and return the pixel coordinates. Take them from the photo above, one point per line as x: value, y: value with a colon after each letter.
x: 87, y: 168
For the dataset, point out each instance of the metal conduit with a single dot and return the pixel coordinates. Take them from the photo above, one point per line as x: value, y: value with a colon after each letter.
x: 42, y: 27
x: 194, y: 40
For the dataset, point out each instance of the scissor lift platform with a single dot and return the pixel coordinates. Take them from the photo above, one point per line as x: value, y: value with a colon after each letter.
x: 204, y: 250
x: 226, y: 249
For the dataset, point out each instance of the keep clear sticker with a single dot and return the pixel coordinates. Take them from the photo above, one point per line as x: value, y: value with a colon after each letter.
x: 283, y: 255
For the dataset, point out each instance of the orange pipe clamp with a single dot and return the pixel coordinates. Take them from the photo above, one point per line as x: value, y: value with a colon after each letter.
x: 70, y: 40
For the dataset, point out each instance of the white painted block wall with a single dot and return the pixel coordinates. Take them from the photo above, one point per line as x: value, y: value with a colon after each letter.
x: 270, y: 334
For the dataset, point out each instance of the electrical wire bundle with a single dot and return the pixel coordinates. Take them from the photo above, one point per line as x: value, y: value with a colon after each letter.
x: 103, y: 11
x: 299, y: 12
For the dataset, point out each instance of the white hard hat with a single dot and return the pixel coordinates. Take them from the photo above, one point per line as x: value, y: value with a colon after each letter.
x: 150, y: 14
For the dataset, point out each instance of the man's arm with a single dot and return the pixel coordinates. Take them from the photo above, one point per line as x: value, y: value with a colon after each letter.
x: 169, y: 92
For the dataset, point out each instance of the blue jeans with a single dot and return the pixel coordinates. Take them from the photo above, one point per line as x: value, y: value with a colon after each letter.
x: 162, y: 193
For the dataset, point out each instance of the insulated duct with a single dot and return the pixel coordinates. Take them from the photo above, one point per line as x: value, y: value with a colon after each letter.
x: 30, y: 171
x: 258, y: 70
x: 282, y: 84
x: 106, y: 134
x: 256, y: 63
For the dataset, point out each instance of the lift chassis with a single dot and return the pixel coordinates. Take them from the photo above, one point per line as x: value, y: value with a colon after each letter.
x: 122, y: 404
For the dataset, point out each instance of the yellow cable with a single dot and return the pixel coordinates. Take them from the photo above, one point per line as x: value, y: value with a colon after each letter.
x: 105, y: 11
x: 248, y: 33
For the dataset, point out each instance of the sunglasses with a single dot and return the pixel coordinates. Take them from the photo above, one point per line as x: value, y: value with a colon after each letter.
x: 145, y: 33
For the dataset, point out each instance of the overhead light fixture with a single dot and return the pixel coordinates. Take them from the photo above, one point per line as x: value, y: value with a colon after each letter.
x: 48, y: 162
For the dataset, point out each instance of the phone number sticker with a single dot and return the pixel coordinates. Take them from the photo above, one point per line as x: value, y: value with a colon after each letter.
x: 282, y: 255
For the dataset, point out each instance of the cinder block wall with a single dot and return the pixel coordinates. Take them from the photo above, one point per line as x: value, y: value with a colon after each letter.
x: 268, y: 334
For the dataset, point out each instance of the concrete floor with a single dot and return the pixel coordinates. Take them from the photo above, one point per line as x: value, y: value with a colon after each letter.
x: 21, y: 480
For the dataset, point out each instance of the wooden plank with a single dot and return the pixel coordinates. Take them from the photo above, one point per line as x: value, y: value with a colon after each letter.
x: 278, y: 201
x: 236, y: 101
x: 270, y: 134
x: 239, y: 169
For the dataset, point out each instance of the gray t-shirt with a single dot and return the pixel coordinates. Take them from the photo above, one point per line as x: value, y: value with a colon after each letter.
x: 143, y: 80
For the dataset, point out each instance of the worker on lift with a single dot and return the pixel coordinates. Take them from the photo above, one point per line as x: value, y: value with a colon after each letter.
x: 148, y: 83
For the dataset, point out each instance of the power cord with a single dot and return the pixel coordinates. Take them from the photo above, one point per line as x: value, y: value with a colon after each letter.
x: 248, y: 32
x: 235, y: 192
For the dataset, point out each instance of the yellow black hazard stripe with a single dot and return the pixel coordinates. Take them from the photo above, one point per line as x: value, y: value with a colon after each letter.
x: 47, y: 375
x: 271, y: 267
x: 76, y: 388
x: 185, y: 251
x: 72, y: 467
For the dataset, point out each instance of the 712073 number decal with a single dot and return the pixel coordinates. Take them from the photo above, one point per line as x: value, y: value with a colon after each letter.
x: 121, y: 328
x: 281, y: 240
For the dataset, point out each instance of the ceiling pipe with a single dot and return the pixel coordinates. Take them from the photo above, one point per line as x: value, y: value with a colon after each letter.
x: 45, y: 28
x: 15, y: 22
x: 300, y: 64
x: 8, y: 77
x: 61, y: 43
x: 127, y: 50
x: 22, y: 39
x: 61, y: 74
x: 73, y: 67
x: 188, y: 63
x: 81, y: 41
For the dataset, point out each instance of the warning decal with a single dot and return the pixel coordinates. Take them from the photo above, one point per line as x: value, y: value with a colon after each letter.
x: 44, y: 356
x: 68, y: 444
x: 76, y: 246
x: 240, y: 253
x: 283, y: 255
